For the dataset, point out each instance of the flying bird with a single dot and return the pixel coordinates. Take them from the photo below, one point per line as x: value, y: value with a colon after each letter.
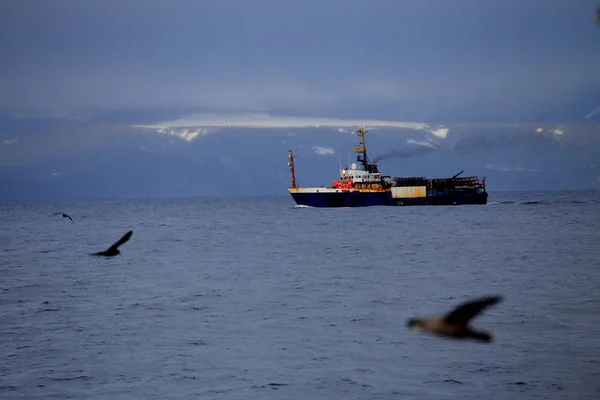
x: 455, y: 324
x: 64, y: 216
x: 114, y: 249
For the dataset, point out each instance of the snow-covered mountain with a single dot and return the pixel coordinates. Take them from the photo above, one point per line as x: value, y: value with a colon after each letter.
x: 107, y: 155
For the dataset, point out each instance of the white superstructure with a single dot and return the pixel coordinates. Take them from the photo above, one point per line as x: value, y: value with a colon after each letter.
x: 359, y: 175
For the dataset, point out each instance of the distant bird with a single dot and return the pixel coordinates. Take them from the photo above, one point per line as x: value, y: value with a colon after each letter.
x: 114, y: 249
x: 455, y: 324
x: 64, y: 216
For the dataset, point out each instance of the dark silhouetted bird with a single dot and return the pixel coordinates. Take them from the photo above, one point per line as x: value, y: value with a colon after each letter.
x: 64, y: 216
x: 455, y: 324
x: 114, y: 249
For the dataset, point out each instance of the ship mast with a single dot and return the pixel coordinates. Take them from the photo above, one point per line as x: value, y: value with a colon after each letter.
x: 362, y: 149
x: 291, y: 165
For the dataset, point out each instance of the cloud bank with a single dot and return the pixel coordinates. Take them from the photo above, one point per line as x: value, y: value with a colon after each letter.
x: 511, y: 169
x: 323, y: 151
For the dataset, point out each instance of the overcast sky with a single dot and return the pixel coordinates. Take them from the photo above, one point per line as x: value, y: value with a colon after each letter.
x: 66, y: 55
x: 508, y: 88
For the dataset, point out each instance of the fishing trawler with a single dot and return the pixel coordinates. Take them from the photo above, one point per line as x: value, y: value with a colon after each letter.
x: 361, y: 185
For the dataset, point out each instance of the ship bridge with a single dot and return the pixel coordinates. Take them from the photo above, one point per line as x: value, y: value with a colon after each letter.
x: 368, y: 173
x: 359, y: 175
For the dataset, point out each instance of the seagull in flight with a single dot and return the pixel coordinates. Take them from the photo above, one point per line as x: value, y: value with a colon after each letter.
x: 455, y: 324
x: 114, y: 249
x: 64, y: 216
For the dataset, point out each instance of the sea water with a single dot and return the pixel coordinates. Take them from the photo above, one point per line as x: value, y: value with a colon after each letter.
x: 256, y: 298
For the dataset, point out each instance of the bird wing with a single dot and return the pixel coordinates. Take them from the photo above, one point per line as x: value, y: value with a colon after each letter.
x: 57, y: 213
x: 68, y: 216
x: 465, y: 311
x: 121, y: 241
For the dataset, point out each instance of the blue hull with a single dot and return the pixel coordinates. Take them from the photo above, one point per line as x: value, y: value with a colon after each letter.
x: 362, y: 199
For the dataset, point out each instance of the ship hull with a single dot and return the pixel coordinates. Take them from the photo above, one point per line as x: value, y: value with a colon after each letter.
x: 327, y: 197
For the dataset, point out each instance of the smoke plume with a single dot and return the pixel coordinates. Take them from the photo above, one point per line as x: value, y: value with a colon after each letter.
x: 414, y: 149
